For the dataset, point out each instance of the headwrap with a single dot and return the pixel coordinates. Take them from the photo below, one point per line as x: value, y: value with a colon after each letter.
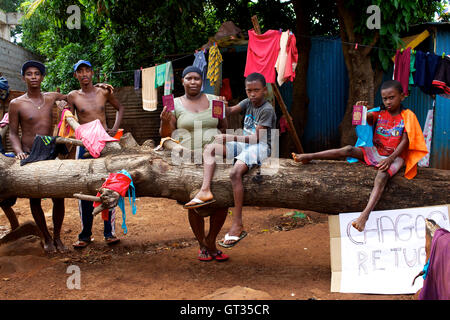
x: 191, y: 69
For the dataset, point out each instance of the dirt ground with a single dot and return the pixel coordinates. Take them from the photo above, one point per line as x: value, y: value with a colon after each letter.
x: 285, y: 257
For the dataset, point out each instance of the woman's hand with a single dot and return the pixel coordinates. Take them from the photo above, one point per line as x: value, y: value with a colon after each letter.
x: 165, y: 115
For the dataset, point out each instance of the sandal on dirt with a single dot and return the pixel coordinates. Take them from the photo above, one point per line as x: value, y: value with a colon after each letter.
x: 80, y: 244
x: 112, y: 240
x: 220, y: 256
x: 203, y: 255
x: 235, y: 240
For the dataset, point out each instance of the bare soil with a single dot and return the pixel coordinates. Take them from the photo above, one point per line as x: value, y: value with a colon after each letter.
x: 286, y: 257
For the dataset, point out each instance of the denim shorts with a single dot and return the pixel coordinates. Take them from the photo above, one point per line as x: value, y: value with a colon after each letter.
x: 251, y: 154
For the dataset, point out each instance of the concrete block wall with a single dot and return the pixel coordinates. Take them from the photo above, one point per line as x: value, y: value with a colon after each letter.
x: 12, y: 57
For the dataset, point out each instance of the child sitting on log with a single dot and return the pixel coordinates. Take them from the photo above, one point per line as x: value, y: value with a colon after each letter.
x: 246, y: 150
x: 397, y: 140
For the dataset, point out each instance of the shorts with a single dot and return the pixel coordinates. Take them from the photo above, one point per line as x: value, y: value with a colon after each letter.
x: 372, y: 158
x: 8, y: 202
x: 251, y: 154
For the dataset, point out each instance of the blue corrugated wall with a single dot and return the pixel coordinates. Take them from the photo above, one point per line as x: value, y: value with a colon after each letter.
x: 440, y: 154
x: 328, y: 92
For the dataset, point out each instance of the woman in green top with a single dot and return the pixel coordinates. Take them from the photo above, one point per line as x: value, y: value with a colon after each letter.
x: 192, y: 109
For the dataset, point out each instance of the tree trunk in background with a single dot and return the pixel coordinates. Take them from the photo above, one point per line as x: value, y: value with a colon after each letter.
x: 360, y: 72
x: 300, y: 101
x: 322, y: 186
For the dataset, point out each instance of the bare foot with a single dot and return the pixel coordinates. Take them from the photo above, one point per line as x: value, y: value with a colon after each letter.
x: 303, y: 158
x: 60, y: 246
x: 49, y: 247
x: 360, y: 223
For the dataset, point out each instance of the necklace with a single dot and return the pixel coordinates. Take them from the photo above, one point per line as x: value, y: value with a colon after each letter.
x: 38, y: 106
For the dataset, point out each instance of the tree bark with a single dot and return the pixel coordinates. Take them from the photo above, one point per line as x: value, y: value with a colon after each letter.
x: 361, y: 75
x: 322, y: 186
x: 300, y: 99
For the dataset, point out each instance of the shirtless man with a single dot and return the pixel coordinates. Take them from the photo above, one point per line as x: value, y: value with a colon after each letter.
x: 89, y: 103
x: 33, y: 113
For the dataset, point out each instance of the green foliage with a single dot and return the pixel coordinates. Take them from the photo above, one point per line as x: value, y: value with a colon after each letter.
x: 396, y: 18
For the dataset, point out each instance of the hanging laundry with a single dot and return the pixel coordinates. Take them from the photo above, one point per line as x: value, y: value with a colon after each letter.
x: 412, y: 68
x: 5, y: 121
x: 280, y: 64
x: 262, y: 53
x: 64, y: 129
x: 44, y: 148
x: 214, y: 62
x: 426, y: 65
x: 160, y: 75
x: 149, y: 92
x: 441, y: 79
x: 292, y: 58
x: 169, y: 83
x: 200, y: 62
x: 137, y: 79
x: 427, y: 134
x: 401, y: 68
x: 93, y: 136
x: 226, y: 89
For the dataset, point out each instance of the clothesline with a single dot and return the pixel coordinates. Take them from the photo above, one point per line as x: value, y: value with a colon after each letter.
x: 132, y: 70
x: 355, y: 44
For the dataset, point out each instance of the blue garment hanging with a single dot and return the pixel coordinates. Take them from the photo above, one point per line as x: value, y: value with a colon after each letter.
x: 121, y: 202
x: 365, y: 136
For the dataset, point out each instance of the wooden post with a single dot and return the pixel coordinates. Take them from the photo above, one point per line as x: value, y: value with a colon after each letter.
x: 280, y: 100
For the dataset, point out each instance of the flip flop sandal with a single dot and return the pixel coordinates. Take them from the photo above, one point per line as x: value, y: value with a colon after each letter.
x: 80, y: 244
x: 203, y: 255
x: 112, y: 240
x: 198, y: 203
x: 220, y: 256
x: 235, y: 240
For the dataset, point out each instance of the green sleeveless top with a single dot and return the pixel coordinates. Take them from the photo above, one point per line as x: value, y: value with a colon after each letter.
x: 195, y: 129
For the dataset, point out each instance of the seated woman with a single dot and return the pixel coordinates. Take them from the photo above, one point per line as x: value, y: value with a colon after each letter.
x: 190, y: 109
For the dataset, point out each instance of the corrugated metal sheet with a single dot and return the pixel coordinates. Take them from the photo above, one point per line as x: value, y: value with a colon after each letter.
x: 440, y: 155
x: 142, y: 124
x: 328, y: 92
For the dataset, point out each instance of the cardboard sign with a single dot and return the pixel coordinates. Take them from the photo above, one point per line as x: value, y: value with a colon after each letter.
x: 359, y: 115
x: 387, y: 255
x: 168, y: 102
x: 218, y: 109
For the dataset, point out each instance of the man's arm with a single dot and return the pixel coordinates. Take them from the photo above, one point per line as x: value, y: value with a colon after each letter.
x: 14, y: 130
x: 71, y: 102
x: 119, y: 114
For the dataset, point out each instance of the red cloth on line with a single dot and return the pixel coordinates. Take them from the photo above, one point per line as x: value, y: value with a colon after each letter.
x: 402, y: 66
x: 117, y: 182
x: 292, y: 58
x: 226, y: 89
x: 262, y: 53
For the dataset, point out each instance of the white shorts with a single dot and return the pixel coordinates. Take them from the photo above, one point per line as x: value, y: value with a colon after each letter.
x: 250, y: 154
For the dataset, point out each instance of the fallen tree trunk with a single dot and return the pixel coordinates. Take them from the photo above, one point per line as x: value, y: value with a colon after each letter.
x: 322, y: 186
